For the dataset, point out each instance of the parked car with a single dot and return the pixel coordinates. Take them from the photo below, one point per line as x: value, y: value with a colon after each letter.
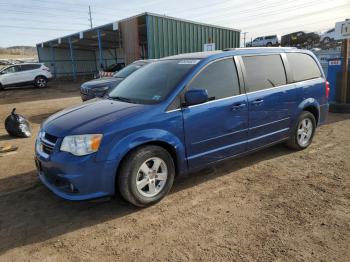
x: 111, y: 69
x: 300, y: 39
x: 115, y: 67
x: 270, y: 40
x: 25, y: 74
x: 328, y: 37
x: 180, y: 114
x: 99, y: 87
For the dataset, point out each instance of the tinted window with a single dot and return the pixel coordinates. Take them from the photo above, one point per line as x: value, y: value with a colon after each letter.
x: 219, y: 79
x: 152, y: 83
x: 30, y: 67
x: 127, y: 70
x: 263, y: 72
x: 303, y: 66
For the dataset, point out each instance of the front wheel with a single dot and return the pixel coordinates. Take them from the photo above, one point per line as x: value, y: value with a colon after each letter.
x: 303, y: 132
x: 40, y: 81
x: 146, y: 175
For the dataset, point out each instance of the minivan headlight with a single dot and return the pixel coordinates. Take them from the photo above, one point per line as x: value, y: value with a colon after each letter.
x: 81, y: 145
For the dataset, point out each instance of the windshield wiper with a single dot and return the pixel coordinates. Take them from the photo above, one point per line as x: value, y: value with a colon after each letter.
x: 119, y: 98
x: 271, y: 82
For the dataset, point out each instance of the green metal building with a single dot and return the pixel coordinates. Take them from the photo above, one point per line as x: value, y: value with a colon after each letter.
x: 145, y: 36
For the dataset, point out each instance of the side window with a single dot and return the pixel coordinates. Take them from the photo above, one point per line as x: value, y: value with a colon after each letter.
x: 11, y: 69
x: 303, y: 66
x: 219, y: 79
x: 263, y: 72
x: 30, y: 67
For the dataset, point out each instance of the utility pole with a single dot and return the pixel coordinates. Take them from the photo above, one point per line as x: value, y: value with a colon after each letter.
x: 244, y: 37
x: 90, y: 18
x: 344, y: 85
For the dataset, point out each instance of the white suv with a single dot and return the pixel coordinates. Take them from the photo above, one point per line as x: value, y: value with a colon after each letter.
x: 328, y: 36
x: 270, y: 40
x: 25, y: 74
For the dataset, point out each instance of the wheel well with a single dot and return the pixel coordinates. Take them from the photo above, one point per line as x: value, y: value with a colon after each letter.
x: 41, y: 76
x: 171, y: 150
x: 313, y: 110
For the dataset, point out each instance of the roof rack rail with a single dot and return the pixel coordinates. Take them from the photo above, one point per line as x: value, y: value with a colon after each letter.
x: 229, y: 49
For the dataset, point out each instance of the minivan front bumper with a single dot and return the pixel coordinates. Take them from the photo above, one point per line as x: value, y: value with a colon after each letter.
x: 76, y: 178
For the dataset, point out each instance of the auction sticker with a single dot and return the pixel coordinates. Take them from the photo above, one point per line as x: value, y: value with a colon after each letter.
x: 189, y: 62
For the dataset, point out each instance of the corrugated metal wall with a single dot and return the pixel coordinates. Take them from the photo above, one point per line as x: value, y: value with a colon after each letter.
x: 168, y: 36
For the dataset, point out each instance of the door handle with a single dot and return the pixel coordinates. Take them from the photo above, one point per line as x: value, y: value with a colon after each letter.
x: 257, y: 101
x: 238, y: 106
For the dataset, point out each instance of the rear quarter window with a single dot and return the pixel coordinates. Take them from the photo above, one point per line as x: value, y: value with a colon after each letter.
x: 303, y: 66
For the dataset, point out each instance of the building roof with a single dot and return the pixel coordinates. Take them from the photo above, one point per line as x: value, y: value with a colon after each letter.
x: 110, y: 32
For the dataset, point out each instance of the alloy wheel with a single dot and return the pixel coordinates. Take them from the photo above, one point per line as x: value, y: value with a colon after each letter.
x: 304, y: 132
x: 41, y: 82
x: 151, y: 177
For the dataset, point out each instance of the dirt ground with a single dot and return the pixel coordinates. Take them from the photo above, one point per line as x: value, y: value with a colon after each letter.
x: 276, y: 204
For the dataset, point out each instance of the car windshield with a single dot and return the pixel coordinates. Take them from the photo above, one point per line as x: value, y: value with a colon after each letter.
x: 152, y: 83
x: 126, y: 71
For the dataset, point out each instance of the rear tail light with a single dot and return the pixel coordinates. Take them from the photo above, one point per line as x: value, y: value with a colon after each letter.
x: 327, y: 89
x: 46, y: 69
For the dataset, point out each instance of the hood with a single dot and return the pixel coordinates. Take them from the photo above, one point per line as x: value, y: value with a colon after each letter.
x: 89, y: 117
x: 106, y: 81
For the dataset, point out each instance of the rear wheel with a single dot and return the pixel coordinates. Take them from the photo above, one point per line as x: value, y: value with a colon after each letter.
x: 269, y: 44
x: 1, y: 87
x: 303, y: 132
x: 40, y: 81
x: 146, y: 175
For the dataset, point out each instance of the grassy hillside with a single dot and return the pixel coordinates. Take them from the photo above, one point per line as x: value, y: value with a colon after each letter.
x: 17, y: 52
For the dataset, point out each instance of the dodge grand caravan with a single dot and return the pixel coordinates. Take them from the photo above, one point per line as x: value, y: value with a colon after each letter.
x: 180, y: 114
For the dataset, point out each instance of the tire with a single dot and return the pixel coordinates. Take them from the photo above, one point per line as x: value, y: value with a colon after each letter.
x: 269, y: 44
x: 303, y: 132
x: 138, y: 168
x: 40, y: 81
x: 1, y: 87
x: 326, y: 41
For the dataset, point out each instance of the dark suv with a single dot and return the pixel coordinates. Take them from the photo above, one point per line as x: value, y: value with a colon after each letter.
x: 300, y: 39
x: 100, y: 87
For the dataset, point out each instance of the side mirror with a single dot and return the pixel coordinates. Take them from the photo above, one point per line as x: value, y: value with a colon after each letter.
x: 196, y: 96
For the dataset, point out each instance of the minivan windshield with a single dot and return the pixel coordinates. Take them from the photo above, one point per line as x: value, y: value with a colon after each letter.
x: 152, y: 83
x: 126, y: 71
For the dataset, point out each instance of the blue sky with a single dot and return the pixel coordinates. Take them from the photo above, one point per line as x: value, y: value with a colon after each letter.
x: 34, y: 21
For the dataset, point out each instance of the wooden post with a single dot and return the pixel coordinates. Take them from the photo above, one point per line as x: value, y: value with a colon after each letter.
x: 344, y: 85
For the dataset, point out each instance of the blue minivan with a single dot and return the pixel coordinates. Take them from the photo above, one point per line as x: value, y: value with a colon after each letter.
x: 180, y: 114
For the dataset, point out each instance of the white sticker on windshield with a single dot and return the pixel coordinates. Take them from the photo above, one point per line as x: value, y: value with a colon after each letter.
x: 189, y: 62
x: 156, y: 97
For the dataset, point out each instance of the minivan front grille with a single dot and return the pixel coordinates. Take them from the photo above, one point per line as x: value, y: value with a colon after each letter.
x: 48, y: 143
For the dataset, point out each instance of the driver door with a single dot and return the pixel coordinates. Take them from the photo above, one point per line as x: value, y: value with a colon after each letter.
x: 218, y: 128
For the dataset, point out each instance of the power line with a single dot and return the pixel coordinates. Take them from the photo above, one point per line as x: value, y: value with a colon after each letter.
x: 298, y: 16
x: 269, y: 13
x: 56, y: 22
x: 300, y: 25
x: 47, y: 14
x: 41, y: 28
x: 238, y: 11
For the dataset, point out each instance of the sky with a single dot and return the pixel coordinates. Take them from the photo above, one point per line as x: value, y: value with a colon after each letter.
x: 34, y: 21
